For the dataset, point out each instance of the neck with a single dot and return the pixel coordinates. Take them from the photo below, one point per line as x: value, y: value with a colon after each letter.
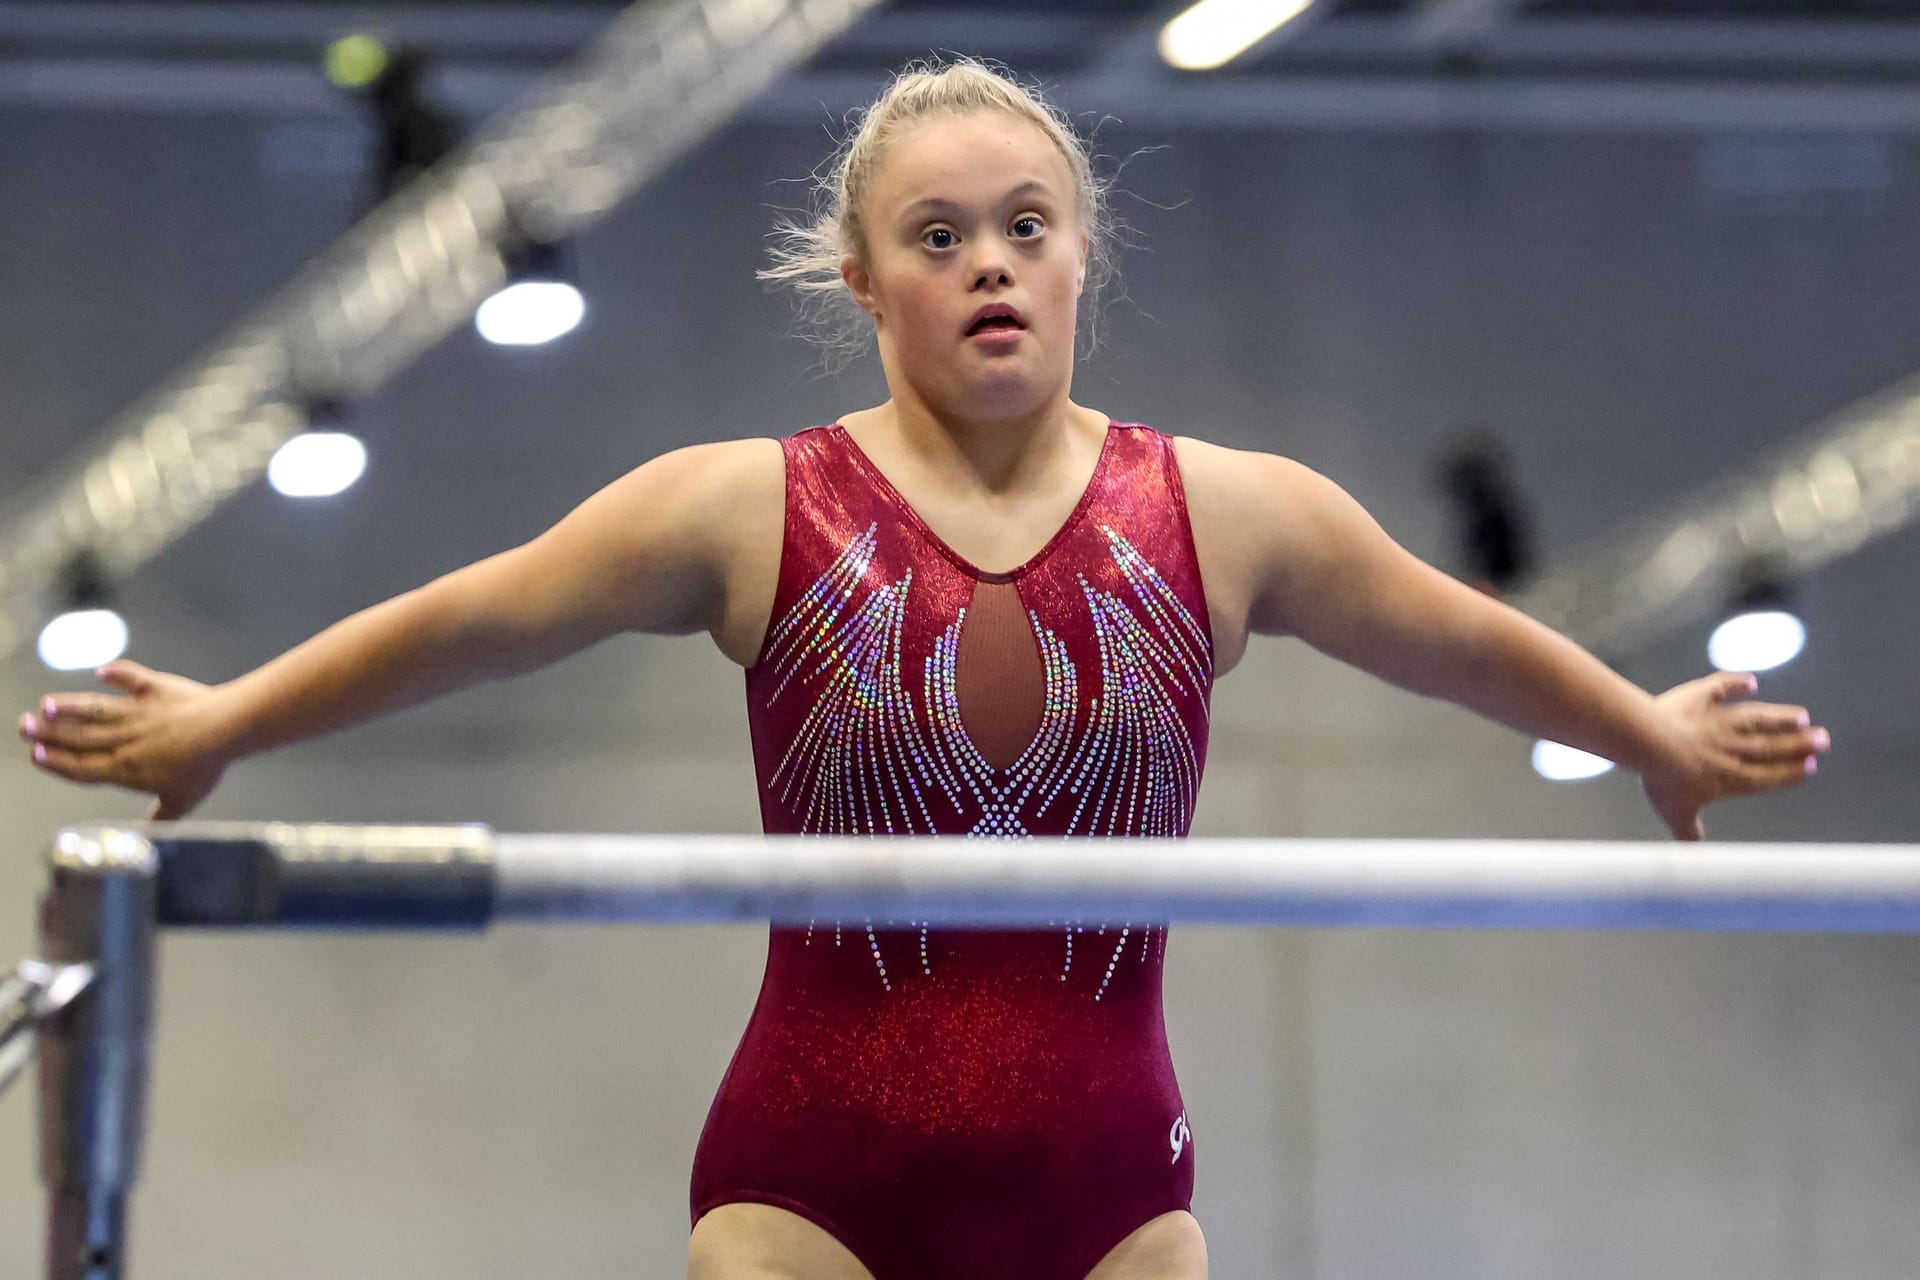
x: 997, y: 454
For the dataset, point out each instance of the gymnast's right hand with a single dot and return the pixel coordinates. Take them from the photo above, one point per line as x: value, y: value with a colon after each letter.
x: 159, y: 735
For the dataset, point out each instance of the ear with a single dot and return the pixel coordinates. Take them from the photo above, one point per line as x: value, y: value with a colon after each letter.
x: 1080, y: 274
x: 859, y: 282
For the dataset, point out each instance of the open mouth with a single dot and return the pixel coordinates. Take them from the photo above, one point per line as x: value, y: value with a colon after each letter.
x: 998, y: 319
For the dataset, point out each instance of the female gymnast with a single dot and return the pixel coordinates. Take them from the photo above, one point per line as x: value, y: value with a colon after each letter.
x: 977, y: 608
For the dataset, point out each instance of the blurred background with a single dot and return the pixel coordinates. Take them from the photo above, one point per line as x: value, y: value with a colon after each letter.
x: 1606, y: 304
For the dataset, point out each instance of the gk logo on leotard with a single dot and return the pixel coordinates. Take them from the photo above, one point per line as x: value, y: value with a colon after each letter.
x: 1179, y: 1136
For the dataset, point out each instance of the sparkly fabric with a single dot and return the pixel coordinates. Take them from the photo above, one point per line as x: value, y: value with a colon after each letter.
x: 952, y: 1103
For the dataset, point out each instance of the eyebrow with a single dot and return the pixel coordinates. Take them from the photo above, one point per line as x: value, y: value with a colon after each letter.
x: 929, y: 204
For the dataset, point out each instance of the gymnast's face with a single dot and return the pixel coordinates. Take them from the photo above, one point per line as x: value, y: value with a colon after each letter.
x: 965, y: 213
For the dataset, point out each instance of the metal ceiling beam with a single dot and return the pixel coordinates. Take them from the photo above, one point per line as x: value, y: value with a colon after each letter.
x: 1535, y: 73
x: 1847, y: 482
x: 1813, y: 46
x: 520, y: 30
x: 1425, y: 103
x: 1405, y: 103
x: 655, y: 84
x: 516, y: 29
x: 275, y: 87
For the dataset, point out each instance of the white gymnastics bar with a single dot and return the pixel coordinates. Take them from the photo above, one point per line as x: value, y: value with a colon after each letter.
x: 88, y: 1001
x: 1380, y: 883
x: 237, y: 874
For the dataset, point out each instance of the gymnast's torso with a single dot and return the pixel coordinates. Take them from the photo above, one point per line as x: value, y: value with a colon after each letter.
x: 949, y: 1102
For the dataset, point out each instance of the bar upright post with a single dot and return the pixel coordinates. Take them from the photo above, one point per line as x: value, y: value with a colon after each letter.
x: 98, y: 910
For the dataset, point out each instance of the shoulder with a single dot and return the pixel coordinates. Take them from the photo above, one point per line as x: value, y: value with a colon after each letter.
x: 692, y: 505
x: 1235, y: 483
x: 699, y: 479
x: 720, y: 465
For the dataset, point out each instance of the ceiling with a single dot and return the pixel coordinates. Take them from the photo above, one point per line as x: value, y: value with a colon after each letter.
x: 230, y: 53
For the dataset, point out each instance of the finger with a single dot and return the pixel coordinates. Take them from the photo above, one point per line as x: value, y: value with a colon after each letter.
x: 1756, y: 778
x: 72, y: 733
x: 129, y: 677
x: 95, y: 708
x: 167, y: 809
x: 1763, y: 717
x: 1779, y: 746
x: 1726, y: 686
x: 74, y: 766
x: 1688, y: 828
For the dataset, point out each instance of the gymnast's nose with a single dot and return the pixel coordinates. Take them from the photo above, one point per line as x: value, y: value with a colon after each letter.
x: 991, y: 268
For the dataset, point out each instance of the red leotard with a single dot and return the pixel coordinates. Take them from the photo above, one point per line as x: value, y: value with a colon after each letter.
x: 953, y: 1104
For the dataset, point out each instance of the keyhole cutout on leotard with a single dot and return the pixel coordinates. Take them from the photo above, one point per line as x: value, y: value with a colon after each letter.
x: 998, y: 676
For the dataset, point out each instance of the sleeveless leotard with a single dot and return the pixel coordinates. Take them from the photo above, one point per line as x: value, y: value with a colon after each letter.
x: 954, y: 1104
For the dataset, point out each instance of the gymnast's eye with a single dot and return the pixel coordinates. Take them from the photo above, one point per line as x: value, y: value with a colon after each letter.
x: 939, y: 238
x: 1028, y: 226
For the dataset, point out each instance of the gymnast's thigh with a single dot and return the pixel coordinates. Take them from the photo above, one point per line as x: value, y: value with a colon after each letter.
x: 761, y: 1242
x: 1170, y: 1247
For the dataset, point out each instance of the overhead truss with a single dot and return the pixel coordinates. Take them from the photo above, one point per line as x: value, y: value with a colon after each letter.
x: 1851, y: 479
x: 660, y: 79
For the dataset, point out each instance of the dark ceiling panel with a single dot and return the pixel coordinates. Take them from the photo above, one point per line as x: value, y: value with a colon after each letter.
x: 1090, y: 8
x: 371, y: 6
x: 1775, y: 10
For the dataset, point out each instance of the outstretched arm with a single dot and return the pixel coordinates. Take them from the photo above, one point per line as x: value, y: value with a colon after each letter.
x: 647, y: 553
x: 1320, y: 568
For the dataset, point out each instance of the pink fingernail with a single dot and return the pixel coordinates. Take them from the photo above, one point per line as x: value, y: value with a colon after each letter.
x: 1813, y: 766
x: 40, y: 752
x: 1820, y: 740
x: 27, y: 726
x: 47, y: 707
x: 1803, y: 719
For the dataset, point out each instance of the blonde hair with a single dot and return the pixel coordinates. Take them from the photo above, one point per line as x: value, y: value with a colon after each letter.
x: 807, y: 253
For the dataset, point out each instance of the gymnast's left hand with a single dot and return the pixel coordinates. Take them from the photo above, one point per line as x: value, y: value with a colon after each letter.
x: 1725, y: 744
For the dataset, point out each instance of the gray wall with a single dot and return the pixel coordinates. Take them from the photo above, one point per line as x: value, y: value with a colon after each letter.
x: 1364, y: 1103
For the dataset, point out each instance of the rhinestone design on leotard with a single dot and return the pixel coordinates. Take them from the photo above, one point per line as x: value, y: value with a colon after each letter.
x: 1002, y: 794
x: 1149, y: 659
x: 860, y: 763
